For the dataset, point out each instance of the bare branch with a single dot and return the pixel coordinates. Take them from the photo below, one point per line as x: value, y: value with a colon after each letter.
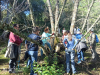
x: 85, y: 21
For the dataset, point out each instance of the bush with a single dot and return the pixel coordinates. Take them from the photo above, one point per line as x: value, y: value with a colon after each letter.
x: 49, y: 67
x: 3, y: 51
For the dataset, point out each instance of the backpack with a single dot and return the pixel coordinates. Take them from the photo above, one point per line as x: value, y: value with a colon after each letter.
x: 97, y: 40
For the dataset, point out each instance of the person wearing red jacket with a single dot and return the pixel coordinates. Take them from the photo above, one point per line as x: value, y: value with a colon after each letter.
x: 16, y: 41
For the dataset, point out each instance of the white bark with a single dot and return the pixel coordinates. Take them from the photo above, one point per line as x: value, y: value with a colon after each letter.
x: 32, y: 17
x: 57, y: 26
x: 87, y: 15
x: 51, y: 16
x: 56, y: 17
x: 74, y: 16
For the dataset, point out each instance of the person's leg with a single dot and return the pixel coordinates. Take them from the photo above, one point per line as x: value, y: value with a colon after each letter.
x: 82, y: 56
x: 11, y: 65
x: 79, y: 57
x: 67, y: 62
x: 48, y: 44
x: 26, y: 55
x: 28, y: 63
x: 33, y: 55
x: 94, y: 53
x: 72, y: 55
x: 13, y: 62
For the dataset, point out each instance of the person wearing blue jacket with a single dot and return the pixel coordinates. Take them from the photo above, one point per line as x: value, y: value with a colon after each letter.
x: 33, y: 48
x: 70, y: 43
x: 81, y: 47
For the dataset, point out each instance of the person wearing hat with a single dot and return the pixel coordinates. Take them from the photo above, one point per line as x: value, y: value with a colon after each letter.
x: 92, y: 42
x: 33, y: 48
x: 81, y: 47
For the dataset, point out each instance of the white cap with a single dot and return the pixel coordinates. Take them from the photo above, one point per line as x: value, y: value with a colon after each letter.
x: 92, y: 29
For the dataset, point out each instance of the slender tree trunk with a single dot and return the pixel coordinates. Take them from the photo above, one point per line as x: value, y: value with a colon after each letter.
x: 57, y: 23
x: 87, y: 14
x: 51, y: 16
x: 56, y: 17
x: 74, y: 16
x: 31, y: 14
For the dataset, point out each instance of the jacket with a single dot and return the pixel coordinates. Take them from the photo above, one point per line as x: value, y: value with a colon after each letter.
x: 92, y: 39
x: 10, y: 52
x: 15, y: 39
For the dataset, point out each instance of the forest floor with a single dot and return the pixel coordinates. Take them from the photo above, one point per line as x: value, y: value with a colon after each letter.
x: 85, y: 68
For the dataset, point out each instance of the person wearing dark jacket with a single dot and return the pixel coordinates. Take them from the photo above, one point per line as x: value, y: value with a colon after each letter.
x: 33, y: 48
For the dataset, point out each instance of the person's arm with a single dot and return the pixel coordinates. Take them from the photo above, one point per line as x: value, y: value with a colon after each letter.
x: 75, y: 43
x: 26, y: 44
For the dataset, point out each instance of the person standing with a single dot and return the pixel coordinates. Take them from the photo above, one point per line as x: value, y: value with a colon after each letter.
x: 92, y: 42
x: 70, y: 44
x: 33, y: 48
x: 14, y: 47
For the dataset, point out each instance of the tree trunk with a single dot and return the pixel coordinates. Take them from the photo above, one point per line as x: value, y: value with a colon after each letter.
x: 87, y: 14
x: 74, y: 16
x: 56, y: 17
x: 31, y: 14
x: 57, y: 23
x: 51, y: 16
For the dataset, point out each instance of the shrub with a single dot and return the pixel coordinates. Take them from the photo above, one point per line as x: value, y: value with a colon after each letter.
x: 3, y: 51
x: 49, y: 67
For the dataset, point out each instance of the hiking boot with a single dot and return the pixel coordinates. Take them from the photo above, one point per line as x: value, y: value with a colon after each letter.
x: 82, y: 60
x: 78, y: 62
x: 10, y: 70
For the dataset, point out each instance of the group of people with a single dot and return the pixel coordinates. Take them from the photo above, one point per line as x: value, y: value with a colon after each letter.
x: 69, y: 41
x: 77, y: 41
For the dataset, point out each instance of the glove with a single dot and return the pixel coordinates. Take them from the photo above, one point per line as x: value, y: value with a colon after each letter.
x: 53, y: 33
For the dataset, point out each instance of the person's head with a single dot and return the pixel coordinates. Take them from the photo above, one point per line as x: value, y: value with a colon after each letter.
x: 36, y: 30
x: 69, y: 37
x: 63, y: 28
x: 46, y: 30
x: 91, y: 31
x: 16, y: 26
x: 66, y: 32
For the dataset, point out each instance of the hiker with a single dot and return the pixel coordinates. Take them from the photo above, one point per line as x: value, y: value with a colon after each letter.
x: 14, y: 49
x: 92, y: 42
x: 70, y: 44
x: 45, y: 36
x: 81, y: 47
x: 60, y: 45
x: 33, y: 48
